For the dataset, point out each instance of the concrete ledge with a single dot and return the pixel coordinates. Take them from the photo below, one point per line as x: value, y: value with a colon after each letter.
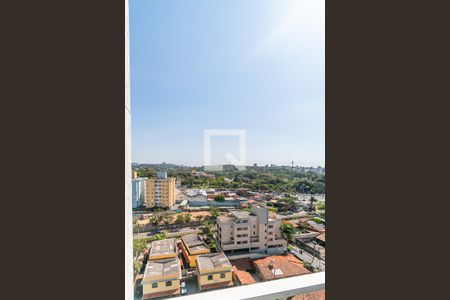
x: 269, y: 290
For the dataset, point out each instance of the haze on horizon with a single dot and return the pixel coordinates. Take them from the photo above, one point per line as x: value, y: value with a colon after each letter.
x: 257, y: 65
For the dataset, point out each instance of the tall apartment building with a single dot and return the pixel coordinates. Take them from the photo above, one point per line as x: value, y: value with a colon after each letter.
x: 160, y: 191
x: 138, y: 187
x: 243, y: 232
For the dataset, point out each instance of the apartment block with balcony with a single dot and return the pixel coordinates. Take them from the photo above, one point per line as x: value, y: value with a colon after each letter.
x: 243, y: 232
x: 160, y: 191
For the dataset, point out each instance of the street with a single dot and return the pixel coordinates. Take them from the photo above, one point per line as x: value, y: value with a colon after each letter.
x: 315, y: 262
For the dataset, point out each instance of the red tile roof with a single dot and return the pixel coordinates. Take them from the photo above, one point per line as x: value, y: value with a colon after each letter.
x: 280, y: 266
x: 242, y: 276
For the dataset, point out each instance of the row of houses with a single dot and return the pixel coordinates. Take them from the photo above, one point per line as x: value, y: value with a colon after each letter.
x: 170, y: 261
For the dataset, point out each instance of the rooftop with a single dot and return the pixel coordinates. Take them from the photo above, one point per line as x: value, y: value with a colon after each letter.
x: 240, y: 214
x: 280, y: 266
x: 243, y: 277
x: 163, y: 267
x: 163, y: 247
x: 194, y: 243
x: 212, y: 261
x: 224, y: 219
x: 321, y: 237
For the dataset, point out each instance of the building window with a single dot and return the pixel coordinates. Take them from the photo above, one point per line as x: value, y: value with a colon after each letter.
x: 210, y: 277
x: 169, y: 283
x: 222, y: 275
x: 154, y: 285
x: 270, y: 226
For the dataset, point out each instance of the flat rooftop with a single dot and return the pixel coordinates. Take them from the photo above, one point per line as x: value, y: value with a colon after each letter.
x: 240, y: 214
x: 194, y: 243
x: 163, y: 267
x: 163, y: 247
x: 224, y: 219
x: 212, y: 261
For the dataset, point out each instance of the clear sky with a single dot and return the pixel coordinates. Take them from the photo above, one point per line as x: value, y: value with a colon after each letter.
x: 257, y: 65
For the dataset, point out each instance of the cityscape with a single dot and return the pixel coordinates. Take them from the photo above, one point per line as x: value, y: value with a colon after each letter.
x: 197, y: 231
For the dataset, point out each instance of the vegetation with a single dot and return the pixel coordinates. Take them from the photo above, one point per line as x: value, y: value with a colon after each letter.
x: 208, y: 229
x: 137, y: 265
x: 139, y: 246
x: 318, y: 220
x: 287, y: 231
x: 308, y: 266
x: 219, y: 198
x: 286, y: 204
x: 273, y: 209
x: 183, y: 218
x: 302, y: 228
x: 321, y: 206
x: 214, y: 212
x: 264, y: 179
x: 167, y: 220
x: 212, y: 245
x: 159, y: 236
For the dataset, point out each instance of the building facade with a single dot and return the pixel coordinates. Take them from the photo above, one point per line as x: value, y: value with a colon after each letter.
x: 161, y: 278
x: 191, y: 246
x: 214, y: 271
x: 138, y: 187
x: 243, y: 232
x: 160, y: 191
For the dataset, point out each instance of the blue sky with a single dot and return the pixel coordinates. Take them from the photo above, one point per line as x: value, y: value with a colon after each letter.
x: 257, y: 65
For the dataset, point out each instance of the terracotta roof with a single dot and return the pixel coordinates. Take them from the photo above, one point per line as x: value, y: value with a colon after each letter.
x: 317, y: 295
x: 243, y: 264
x: 280, y: 266
x: 243, y: 277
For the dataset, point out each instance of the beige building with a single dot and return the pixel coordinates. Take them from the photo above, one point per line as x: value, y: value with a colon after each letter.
x: 163, y: 249
x: 160, y: 191
x: 161, y: 278
x: 243, y: 232
x: 214, y: 271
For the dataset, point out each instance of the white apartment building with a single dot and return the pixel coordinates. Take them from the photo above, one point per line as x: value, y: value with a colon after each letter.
x: 138, y: 188
x: 243, y: 232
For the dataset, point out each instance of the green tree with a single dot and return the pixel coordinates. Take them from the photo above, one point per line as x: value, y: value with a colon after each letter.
x: 154, y: 220
x: 199, y: 218
x: 212, y: 245
x: 219, y: 198
x: 167, y: 220
x: 187, y: 217
x: 160, y: 236
x: 214, y: 211
x: 137, y: 265
x: 287, y: 231
x: 308, y: 266
x: 139, y: 246
x: 180, y: 219
x: 321, y: 206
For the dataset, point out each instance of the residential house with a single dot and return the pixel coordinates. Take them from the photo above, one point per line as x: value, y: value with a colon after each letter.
x: 161, y: 278
x: 191, y: 246
x: 213, y: 271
